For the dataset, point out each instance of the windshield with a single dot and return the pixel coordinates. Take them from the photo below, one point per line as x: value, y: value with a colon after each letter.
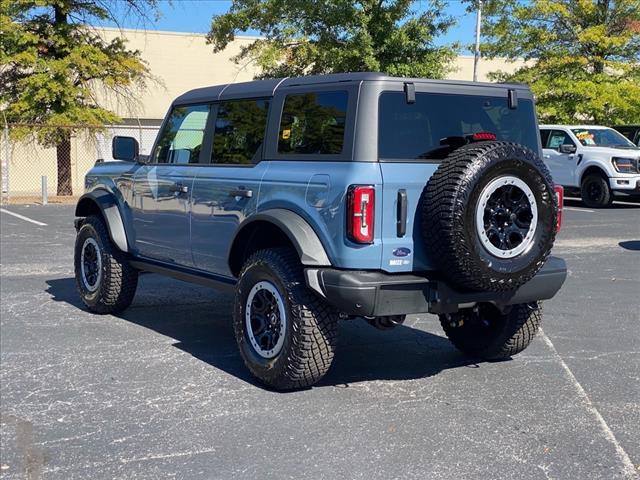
x: 601, y: 137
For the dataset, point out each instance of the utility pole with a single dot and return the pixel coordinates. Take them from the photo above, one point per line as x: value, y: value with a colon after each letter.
x: 476, y: 56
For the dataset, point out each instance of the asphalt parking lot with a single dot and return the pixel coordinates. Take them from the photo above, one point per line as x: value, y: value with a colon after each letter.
x: 161, y: 392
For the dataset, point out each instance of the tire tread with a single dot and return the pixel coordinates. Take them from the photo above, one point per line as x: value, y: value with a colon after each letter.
x: 523, y: 322
x: 315, y: 327
x: 119, y: 278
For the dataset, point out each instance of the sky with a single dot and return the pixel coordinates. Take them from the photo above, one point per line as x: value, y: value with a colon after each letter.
x: 195, y: 16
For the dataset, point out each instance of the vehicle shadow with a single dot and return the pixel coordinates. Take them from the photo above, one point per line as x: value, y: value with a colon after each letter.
x: 201, y: 325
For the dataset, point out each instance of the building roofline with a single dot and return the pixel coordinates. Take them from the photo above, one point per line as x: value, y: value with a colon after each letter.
x: 169, y: 32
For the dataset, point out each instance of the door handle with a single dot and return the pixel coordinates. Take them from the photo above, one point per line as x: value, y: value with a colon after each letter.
x: 401, y: 213
x: 546, y: 155
x: 241, y: 192
x: 179, y: 188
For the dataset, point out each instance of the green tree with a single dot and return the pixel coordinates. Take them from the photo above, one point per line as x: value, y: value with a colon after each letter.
x: 312, y: 37
x: 52, y: 65
x: 583, y: 56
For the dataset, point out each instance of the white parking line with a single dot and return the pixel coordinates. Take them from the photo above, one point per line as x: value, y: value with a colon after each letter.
x: 576, y: 209
x: 22, y: 217
x: 629, y: 468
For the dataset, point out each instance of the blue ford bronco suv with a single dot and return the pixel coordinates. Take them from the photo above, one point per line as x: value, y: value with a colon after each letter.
x: 327, y: 198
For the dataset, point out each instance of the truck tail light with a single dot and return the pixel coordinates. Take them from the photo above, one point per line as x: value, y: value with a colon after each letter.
x: 560, y: 199
x: 360, y: 213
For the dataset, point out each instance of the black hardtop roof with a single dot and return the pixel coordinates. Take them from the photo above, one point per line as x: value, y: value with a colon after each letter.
x: 267, y: 88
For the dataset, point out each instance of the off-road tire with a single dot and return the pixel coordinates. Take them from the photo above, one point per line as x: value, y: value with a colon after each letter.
x: 119, y: 279
x: 311, y: 327
x: 505, y: 335
x: 605, y: 199
x: 448, y: 216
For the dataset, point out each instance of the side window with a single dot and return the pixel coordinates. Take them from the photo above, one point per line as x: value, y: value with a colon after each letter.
x: 239, y: 132
x: 181, y: 137
x: 544, y: 137
x: 313, y: 123
x: 558, y: 138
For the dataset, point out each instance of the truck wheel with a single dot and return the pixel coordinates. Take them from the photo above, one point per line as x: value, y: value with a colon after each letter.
x: 105, y: 280
x: 488, y: 216
x: 485, y: 332
x: 595, y: 191
x: 285, y: 332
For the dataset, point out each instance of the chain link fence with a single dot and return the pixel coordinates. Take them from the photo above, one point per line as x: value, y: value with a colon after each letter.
x: 33, y: 173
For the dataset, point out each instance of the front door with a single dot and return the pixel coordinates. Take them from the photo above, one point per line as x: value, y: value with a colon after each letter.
x: 162, y: 189
x: 227, y: 191
x: 561, y: 165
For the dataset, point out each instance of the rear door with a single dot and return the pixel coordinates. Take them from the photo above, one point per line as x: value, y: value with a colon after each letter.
x: 226, y: 191
x: 413, y: 139
x: 561, y: 165
x: 162, y: 188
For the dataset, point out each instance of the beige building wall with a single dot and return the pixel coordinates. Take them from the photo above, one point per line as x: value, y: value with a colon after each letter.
x: 183, y: 61
x: 178, y: 62
x: 463, y: 68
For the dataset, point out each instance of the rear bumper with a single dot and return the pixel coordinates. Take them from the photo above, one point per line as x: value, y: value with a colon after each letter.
x: 372, y: 293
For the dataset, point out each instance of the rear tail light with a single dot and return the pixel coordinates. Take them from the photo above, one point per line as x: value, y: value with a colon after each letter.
x: 360, y: 213
x: 560, y: 199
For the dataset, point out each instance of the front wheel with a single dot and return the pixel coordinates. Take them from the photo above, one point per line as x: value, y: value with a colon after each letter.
x: 485, y: 332
x: 285, y: 332
x: 596, y: 192
x: 105, y: 280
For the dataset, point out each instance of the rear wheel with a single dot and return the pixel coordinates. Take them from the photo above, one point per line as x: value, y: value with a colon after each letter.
x: 285, y: 332
x: 487, y: 333
x: 595, y: 191
x: 104, y: 279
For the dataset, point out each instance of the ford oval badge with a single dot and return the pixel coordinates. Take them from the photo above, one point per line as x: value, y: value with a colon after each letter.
x: 401, y: 252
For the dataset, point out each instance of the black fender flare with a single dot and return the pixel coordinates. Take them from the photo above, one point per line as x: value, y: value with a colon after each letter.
x: 297, y: 229
x: 107, y: 203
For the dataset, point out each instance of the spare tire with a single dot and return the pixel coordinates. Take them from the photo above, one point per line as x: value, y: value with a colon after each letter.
x: 489, y: 215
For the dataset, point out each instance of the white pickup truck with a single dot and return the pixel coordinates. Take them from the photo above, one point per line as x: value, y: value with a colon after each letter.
x: 598, y: 161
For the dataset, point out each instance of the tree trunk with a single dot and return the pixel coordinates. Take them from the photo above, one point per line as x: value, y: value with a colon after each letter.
x: 63, y: 154
x: 63, y: 148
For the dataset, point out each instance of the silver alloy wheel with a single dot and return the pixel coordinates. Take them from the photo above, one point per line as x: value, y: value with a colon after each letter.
x: 91, y: 264
x: 265, y: 319
x: 506, y: 217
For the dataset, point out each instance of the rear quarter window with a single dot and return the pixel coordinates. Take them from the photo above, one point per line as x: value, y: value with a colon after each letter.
x: 417, y: 131
x: 313, y: 123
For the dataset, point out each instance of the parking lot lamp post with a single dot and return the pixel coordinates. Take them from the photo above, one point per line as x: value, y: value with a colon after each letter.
x: 476, y: 56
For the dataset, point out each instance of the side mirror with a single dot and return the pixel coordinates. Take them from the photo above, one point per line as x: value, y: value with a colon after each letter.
x: 124, y: 148
x: 568, y: 148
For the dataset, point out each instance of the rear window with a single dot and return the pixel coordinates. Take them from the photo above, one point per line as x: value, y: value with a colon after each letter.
x: 424, y: 130
x: 313, y: 123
